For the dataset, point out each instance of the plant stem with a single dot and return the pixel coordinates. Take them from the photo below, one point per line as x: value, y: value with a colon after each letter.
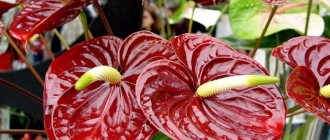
x: 285, y: 97
x: 288, y: 129
x: 64, y: 43
x: 28, y: 64
x: 284, y: 78
x: 253, y: 52
x: 162, y: 31
x: 49, y: 52
x: 103, y: 17
x: 276, y: 61
x: 169, y: 32
x: 309, y: 9
x: 21, y: 131
x: 191, y: 19
x: 83, y: 20
x: 20, y: 90
x: 296, y: 113
x: 268, y: 54
x: 224, y: 9
x: 293, y: 109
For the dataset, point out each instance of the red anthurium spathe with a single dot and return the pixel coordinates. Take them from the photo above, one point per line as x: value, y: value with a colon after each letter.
x: 39, y: 16
x: 311, y: 61
x: 101, y: 110
x: 167, y: 94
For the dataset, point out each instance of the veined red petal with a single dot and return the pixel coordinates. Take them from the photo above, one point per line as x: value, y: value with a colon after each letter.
x: 61, y: 77
x: 139, y: 49
x: 39, y: 16
x: 309, y: 51
x: 100, y: 111
x: 303, y: 87
x: 166, y: 91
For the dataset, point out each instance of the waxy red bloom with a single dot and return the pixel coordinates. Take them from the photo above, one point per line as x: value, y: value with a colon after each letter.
x: 166, y: 92
x: 309, y: 56
x: 101, y: 110
x: 39, y: 16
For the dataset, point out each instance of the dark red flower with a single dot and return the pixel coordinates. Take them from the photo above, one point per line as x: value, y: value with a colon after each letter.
x: 101, y: 110
x: 39, y: 16
x: 309, y: 56
x: 166, y: 92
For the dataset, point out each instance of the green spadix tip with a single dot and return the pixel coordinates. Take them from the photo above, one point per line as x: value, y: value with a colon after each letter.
x: 223, y: 84
x: 105, y: 73
x: 325, y: 91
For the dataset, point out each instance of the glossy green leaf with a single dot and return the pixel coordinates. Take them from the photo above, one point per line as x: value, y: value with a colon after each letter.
x: 326, y: 32
x: 268, y: 43
x: 161, y: 136
x: 248, y: 18
x: 301, y: 132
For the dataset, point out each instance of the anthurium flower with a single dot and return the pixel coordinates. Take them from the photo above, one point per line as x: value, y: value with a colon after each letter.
x: 83, y: 108
x: 39, y: 16
x: 181, y: 100
x: 309, y: 56
x: 4, y: 7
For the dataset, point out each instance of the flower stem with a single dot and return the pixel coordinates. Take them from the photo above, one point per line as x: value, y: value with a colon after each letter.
x: 191, y: 19
x: 310, y: 2
x: 83, y: 20
x: 168, y: 27
x: 288, y: 129
x: 161, y: 21
x: 253, y: 52
x: 49, y: 52
x: 64, y: 43
x: 21, y: 131
x: 224, y: 9
x: 103, y: 17
x: 28, y: 64
x: 293, y: 109
x: 295, y: 113
x: 20, y: 90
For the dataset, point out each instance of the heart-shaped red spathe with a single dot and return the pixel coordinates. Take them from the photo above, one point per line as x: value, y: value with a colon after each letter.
x: 303, y: 87
x: 101, y: 111
x: 166, y: 92
x: 311, y: 61
x: 39, y: 16
x: 309, y: 51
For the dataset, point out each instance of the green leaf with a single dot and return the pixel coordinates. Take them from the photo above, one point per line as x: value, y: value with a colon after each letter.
x: 161, y: 136
x: 248, y: 18
x: 326, y: 32
x: 301, y: 132
x: 268, y: 42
